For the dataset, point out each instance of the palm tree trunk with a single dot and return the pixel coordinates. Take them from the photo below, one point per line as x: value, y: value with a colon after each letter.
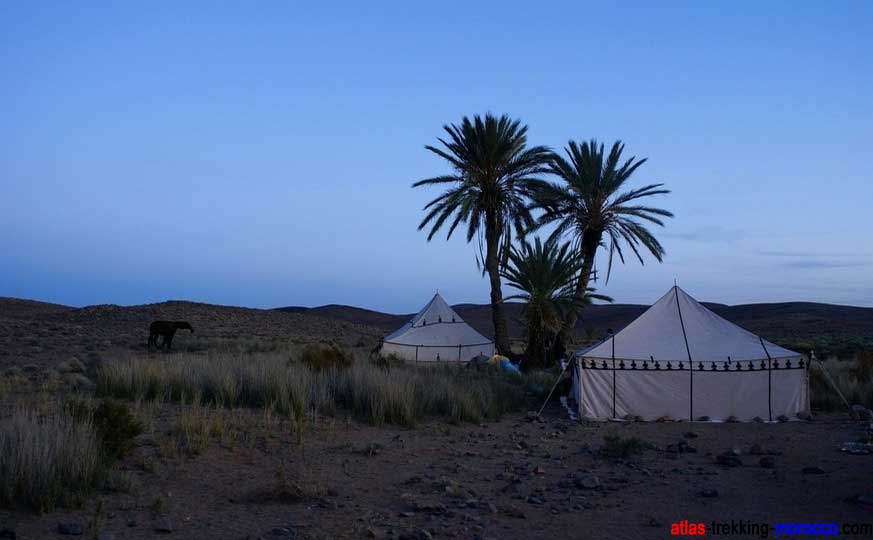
x: 492, y: 266
x: 590, y: 242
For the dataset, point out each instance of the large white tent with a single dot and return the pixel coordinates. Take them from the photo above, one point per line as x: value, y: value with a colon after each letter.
x: 437, y: 334
x: 680, y: 360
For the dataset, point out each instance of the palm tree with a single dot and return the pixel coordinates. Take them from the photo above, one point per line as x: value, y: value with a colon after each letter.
x: 546, y: 274
x: 589, y: 206
x: 494, y: 176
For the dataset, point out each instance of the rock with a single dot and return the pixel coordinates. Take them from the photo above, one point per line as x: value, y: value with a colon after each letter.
x: 757, y: 419
x: 105, y: 535
x: 424, y: 534
x: 373, y: 532
x: 73, y: 529
x: 708, y: 493
x: 782, y: 418
x: 728, y: 460
x: 767, y: 462
x: 732, y: 419
x: 653, y: 522
x: 512, y: 511
x: 690, y: 435
x: 164, y: 526
x: 281, y: 531
x: 805, y: 416
x: 813, y: 470
x: 859, y: 412
x: 586, y: 481
x: 534, y: 500
x: 539, y: 470
x: 757, y: 450
x: 430, y: 507
x: 703, y: 418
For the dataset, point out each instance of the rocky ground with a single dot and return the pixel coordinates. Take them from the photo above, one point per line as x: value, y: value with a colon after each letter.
x: 517, y: 478
x: 512, y: 479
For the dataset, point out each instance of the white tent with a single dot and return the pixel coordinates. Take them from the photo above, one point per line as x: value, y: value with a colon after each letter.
x: 680, y: 360
x: 437, y: 334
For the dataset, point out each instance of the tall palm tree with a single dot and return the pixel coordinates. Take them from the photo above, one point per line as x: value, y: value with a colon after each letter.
x: 590, y: 206
x: 546, y: 274
x: 493, y: 178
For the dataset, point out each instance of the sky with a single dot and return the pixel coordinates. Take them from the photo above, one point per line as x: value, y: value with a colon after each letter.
x: 262, y: 154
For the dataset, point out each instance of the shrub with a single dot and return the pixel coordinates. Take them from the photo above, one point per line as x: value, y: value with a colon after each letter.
x: 321, y: 356
x: 49, y: 461
x: 617, y: 447
x: 113, y: 422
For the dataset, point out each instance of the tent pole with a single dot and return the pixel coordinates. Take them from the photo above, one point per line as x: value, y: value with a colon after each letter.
x: 613, y: 376
x: 769, y: 380
x: 459, y: 352
x: 690, y: 362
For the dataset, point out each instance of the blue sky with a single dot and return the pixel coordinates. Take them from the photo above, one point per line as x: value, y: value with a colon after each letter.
x: 261, y: 154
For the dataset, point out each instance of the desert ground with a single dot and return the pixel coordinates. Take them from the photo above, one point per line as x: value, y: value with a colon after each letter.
x: 255, y: 473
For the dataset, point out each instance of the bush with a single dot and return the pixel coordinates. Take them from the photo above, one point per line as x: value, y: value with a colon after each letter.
x: 622, y: 447
x: 113, y: 422
x: 849, y: 377
x: 49, y: 461
x: 322, y: 356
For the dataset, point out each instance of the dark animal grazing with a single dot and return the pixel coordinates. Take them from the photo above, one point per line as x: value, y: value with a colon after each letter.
x: 166, y: 329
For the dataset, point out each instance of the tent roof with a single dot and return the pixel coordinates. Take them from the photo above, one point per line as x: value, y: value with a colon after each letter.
x: 437, y: 324
x: 661, y: 332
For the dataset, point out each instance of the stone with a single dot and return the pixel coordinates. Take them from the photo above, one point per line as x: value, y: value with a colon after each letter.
x: 859, y: 412
x: 813, y: 470
x: 805, y: 416
x: 534, y: 500
x: 709, y: 493
x: 728, y: 460
x: 732, y: 419
x: 72, y: 529
x: 767, y: 462
x: 586, y: 481
x: 757, y: 419
x: 512, y: 511
x: 690, y: 435
x: 782, y: 418
x: 703, y: 418
x: 424, y: 534
x: 373, y: 532
x: 281, y: 531
x: 105, y: 535
x: 757, y: 450
x: 164, y: 525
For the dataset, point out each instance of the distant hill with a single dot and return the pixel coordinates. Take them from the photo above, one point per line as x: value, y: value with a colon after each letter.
x: 828, y: 328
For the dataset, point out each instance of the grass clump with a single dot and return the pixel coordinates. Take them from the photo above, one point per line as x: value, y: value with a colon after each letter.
x: 323, y: 356
x: 854, y: 379
x: 617, y: 447
x: 400, y: 394
x: 48, y: 461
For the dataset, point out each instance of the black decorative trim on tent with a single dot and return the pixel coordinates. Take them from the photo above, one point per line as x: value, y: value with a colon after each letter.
x: 710, y: 366
x: 439, y: 346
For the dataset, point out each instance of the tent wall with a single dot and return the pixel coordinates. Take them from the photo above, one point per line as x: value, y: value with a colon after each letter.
x: 754, y: 391
x: 435, y: 353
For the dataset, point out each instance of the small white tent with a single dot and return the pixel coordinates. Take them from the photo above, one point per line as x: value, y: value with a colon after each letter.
x: 437, y: 334
x: 680, y: 360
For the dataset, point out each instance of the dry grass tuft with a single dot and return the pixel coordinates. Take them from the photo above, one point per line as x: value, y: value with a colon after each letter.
x: 48, y: 461
x: 853, y: 378
x: 401, y: 394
